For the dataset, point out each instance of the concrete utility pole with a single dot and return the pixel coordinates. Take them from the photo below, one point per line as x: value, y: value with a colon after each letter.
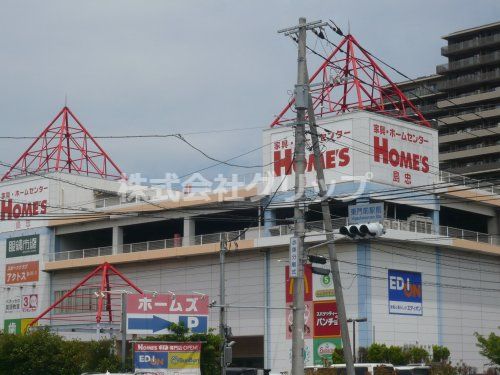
x: 332, y: 254
x: 124, y: 330
x: 222, y: 311
x: 297, y: 264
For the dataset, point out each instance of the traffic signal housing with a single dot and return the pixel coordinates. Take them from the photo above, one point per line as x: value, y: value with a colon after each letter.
x: 360, y: 231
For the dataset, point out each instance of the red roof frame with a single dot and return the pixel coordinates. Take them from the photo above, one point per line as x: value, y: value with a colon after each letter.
x: 350, y: 80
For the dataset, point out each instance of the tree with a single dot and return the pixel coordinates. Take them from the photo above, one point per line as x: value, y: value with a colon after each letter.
x: 440, y: 353
x: 377, y: 353
x: 338, y: 356
x: 489, y: 347
x: 418, y: 355
x: 397, y: 356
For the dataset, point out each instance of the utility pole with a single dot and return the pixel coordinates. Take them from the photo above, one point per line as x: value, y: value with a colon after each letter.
x: 354, y: 321
x: 332, y: 254
x: 297, y: 256
x: 124, y: 330
x: 222, y: 311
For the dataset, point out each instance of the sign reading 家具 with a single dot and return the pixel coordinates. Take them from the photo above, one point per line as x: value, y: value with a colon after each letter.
x: 366, y: 213
x: 165, y: 358
x: 357, y: 146
x: 23, y: 272
x: 25, y: 245
x: 154, y: 314
x: 405, y: 292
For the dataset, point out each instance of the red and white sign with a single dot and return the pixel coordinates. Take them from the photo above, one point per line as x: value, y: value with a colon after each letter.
x: 326, y: 319
x: 308, y: 328
x: 29, y: 302
x: 357, y: 146
x: 185, y: 304
x: 308, y: 287
x: 23, y: 205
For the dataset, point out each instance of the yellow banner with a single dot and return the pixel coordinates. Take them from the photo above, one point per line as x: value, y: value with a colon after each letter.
x: 183, y: 360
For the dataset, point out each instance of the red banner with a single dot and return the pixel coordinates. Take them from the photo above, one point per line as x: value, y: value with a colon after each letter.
x: 308, y: 290
x: 326, y: 319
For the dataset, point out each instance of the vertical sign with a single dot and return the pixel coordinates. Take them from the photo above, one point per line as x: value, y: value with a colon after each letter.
x: 405, y: 292
x: 294, y: 255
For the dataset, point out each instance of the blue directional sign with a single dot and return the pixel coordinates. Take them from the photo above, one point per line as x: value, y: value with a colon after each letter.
x: 148, y: 323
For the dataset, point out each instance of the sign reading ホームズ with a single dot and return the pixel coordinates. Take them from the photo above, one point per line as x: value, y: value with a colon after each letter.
x: 405, y: 292
x: 23, y: 205
x: 23, y: 272
x: 154, y: 314
x: 163, y: 358
x: 20, y: 246
x: 357, y: 146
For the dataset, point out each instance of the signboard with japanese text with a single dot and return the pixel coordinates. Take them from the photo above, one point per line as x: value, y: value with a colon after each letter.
x: 323, y: 288
x: 405, y: 292
x: 294, y: 255
x: 360, y: 146
x: 154, y: 314
x: 24, y: 245
x: 289, y: 283
x: 366, y: 213
x: 324, y: 348
x: 326, y: 319
x: 22, y: 272
x: 12, y: 305
x: 24, y: 303
x: 16, y: 326
x: 23, y: 205
x: 167, y: 358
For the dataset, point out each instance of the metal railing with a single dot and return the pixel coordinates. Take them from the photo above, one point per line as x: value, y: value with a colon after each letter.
x: 451, y: 178
x: 471, y: 43
x: 275, y: 231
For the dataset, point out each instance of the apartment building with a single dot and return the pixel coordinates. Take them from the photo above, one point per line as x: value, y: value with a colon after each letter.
x: 463, y: 98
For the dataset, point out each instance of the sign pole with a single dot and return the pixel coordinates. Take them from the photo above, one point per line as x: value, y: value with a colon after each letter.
x: 124, y: 330
x: 332, y: 253
x: 222, y: 311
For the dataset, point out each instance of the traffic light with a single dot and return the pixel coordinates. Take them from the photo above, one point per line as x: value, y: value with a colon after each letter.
x: 368, y: 230
x: 317, y: 259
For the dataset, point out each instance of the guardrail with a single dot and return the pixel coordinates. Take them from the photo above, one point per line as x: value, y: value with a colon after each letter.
x: 275, y: 231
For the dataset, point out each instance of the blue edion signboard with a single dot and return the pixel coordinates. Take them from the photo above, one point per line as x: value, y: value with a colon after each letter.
x: 405, y: 292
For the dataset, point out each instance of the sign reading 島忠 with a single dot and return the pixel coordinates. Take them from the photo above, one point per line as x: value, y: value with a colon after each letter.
x: 23, y: 205
x: 154, y: 314
x: 164, y: 358
x: 355, y: 146
x: 405, y: 292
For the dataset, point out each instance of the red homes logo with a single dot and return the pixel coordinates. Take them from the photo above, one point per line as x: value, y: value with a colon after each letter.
x: 384, y: 153
x: 330, y: 159
x: 13, y: 210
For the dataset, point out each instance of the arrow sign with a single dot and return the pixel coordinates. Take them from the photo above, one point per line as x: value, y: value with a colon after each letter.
x: 154, y: 323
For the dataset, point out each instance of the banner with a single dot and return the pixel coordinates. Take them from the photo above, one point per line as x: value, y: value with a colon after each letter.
x: 154, y: 314
x: 405, y: 292
x: 20, y: 246
x: 23, y: 272
x: 167, y: 358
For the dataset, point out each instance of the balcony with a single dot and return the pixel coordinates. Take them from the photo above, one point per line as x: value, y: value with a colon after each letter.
x: 472, y: 97
x: 476, y: 115
x: 468, y: 45
x: 469, y: 79
x: 469, y: 62
x: 261, y: 232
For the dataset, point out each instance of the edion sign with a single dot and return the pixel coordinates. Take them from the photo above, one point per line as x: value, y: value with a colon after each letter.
x: 354, y: 146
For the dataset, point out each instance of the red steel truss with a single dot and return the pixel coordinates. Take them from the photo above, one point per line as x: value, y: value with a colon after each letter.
x: 349, y: 79
x: 65, y: 146
x: 95, y: 302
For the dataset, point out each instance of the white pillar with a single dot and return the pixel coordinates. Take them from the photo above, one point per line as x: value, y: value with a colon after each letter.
x: 189, y: 231
x: 117, y: 239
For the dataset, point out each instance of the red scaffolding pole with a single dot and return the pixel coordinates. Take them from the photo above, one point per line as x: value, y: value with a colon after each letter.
x: 103, y: 273
x: 349, y: 79
x: 65, y: 145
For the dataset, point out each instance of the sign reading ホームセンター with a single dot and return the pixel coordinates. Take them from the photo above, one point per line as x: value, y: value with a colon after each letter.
x: 405, y: 292
x: 154, y: 314
x: 164, y: 358
x: 23, y: 205
x: 355, y: 147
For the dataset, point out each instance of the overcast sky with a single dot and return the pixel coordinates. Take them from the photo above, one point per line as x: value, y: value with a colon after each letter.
x: 149, y: 67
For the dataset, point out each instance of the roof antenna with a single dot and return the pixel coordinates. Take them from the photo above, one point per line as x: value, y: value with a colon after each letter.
x: 348, y: 27
x: 65, y: 100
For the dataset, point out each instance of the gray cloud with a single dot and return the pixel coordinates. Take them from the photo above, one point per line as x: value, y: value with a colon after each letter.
x: 139, y: 67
